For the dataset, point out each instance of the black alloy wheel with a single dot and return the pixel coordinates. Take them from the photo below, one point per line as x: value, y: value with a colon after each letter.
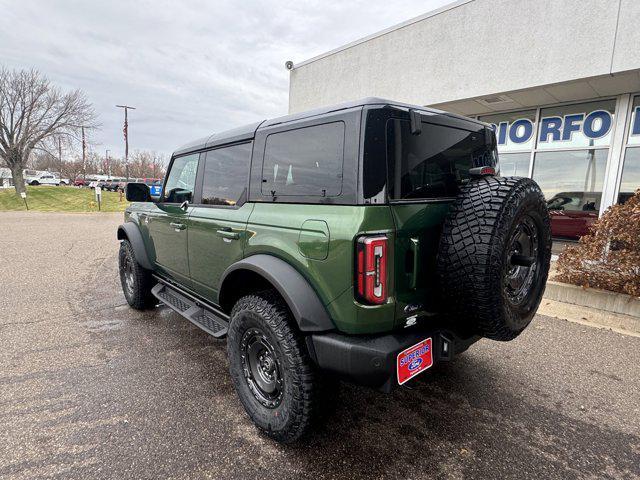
x: 261, y: 368
x: 522, y: 267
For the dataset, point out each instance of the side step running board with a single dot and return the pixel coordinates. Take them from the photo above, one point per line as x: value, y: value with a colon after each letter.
x: 212, y: 322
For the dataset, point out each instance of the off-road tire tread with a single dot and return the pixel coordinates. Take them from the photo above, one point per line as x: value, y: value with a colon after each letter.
x: 142, y: 297
x: 302, y: 405
x: 471, y: 252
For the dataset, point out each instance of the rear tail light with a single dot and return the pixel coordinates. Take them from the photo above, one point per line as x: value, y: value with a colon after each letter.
x: 371, y: 269
x: 482, y: 171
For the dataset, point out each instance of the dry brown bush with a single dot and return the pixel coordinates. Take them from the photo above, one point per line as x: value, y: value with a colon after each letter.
x: 609, y: 257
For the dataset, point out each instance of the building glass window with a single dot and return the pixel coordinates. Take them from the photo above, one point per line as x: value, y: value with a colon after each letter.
x: 514, y: 164
x: 569, y: 145
x: 630, y: 180
x: 634, y: 126
x: 580, y: 125
x: 576, y: 173
x: 570, y: 162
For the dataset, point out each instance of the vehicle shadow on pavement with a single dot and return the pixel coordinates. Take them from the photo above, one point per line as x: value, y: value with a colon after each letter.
x: 461, y: 420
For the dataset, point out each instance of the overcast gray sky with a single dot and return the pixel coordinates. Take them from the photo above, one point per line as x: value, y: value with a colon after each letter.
x: 190, y: 68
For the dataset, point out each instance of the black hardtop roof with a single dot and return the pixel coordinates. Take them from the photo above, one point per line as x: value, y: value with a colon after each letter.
x: 247, y: 132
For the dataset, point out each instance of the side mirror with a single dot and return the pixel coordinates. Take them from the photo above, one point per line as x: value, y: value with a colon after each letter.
x: 137, y: 192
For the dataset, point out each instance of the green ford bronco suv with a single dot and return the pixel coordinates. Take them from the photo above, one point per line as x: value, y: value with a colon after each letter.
x: 369, y: 241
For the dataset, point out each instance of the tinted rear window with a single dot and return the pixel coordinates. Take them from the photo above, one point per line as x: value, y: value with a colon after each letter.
x: 306, y: 161
x: 435, y: 162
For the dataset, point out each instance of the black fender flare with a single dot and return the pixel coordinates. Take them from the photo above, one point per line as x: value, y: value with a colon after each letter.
x: 304, y: 303
x: 131, y: 232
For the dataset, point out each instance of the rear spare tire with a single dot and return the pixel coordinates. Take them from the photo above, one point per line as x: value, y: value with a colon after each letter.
x: 494, y: 255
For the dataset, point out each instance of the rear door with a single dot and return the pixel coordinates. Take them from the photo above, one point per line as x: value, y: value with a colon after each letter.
x: 217, y: 224
x: 425, y: 170
x: 167, y: 223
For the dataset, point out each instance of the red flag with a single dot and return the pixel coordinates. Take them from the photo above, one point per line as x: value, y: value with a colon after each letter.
x: 124, y: 130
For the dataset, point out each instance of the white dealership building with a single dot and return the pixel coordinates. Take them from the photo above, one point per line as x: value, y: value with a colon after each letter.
x: 559, y: 79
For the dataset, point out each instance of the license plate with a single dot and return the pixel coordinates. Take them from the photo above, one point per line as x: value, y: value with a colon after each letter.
x: 414, y: 360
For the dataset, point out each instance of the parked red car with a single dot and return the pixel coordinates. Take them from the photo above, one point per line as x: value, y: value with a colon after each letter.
x: 572, y: 213
x: 79, y: 182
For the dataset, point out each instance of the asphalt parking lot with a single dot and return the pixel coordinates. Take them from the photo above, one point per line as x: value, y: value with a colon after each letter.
x: 92, y: 389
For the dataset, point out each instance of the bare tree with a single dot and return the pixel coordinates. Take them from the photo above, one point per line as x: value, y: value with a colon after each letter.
x: 94, y: 162
x: 44, y: 161
x: 158, y: 165
x: 146, y: 164
x: 138, y: 163
x: 33, y: 114
x: 72, y: 169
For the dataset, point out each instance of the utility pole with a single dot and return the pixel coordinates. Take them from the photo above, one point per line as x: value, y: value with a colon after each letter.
x: 84, y: 156
x: 106, y: 159
x: 126, y: 137
x: 60, y: 155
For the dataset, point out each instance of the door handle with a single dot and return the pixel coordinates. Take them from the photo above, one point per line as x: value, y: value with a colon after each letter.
x: 228, y: 233
x: 178, y: 226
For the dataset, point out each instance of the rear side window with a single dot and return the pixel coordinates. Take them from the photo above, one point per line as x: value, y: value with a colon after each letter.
x: 225, y: 175
x: 435, y: 162
x: 306, y: 161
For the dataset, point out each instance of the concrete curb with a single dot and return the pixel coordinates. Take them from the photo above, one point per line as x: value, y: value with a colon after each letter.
x: 593, y: 307
x: 593, y: 298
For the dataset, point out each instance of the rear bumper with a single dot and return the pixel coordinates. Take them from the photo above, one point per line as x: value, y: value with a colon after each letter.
x: 371, y: 360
